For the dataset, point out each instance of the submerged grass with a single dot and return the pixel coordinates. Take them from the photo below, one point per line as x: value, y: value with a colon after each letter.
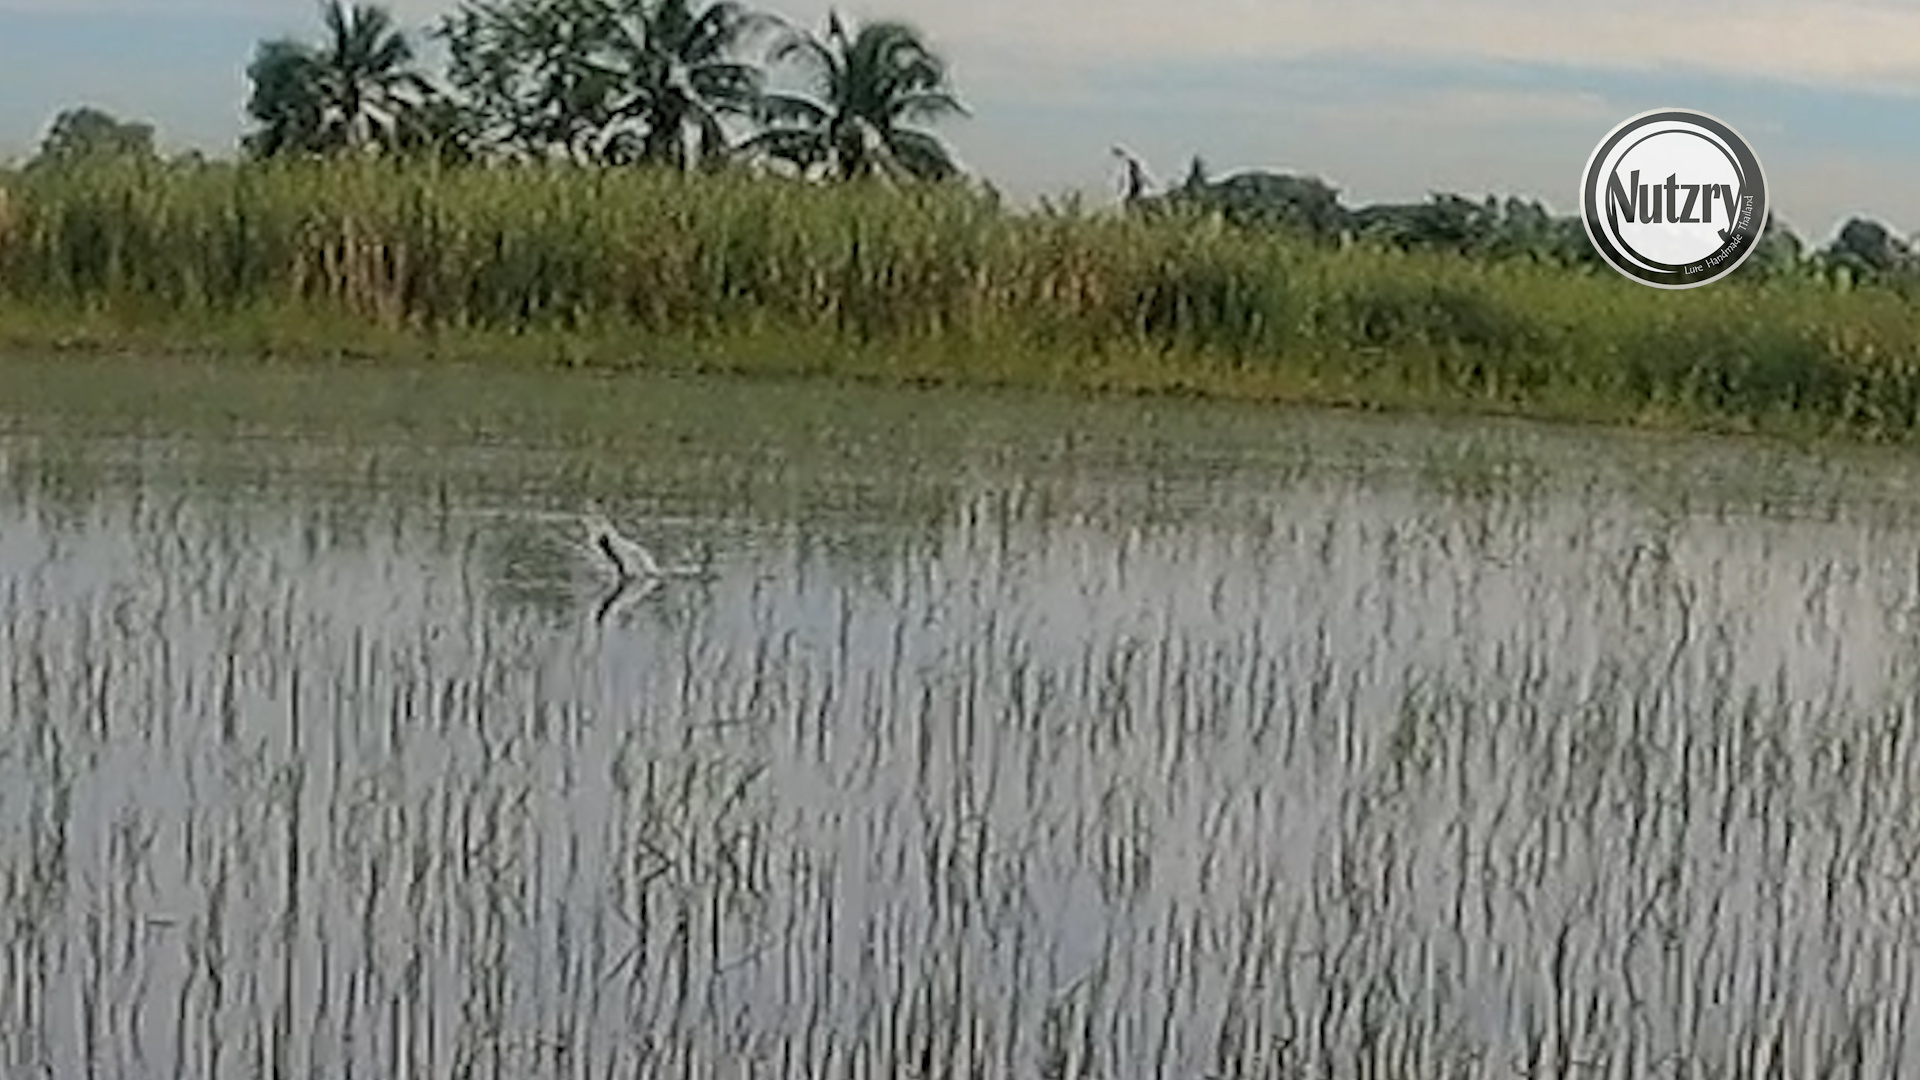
x: 636, y: 267
x: 304, y: 788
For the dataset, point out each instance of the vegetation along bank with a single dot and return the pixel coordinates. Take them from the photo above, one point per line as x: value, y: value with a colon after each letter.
x: 620, y: 182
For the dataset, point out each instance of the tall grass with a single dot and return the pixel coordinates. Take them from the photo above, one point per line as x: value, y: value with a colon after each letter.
x: 643, y: 256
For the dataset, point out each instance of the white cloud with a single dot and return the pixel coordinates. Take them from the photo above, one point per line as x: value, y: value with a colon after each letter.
x: 1814, y: 42
x: 1469, y: 107
x: 1859, y: 43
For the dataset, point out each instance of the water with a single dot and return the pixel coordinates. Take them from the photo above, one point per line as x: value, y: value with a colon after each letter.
x: 1011, y: 737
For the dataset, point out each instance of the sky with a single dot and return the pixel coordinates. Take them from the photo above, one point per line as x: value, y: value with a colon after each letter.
x: 1388, y: 100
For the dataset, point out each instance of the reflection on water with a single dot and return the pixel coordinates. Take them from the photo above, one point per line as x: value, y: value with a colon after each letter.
x: 1258, y: 745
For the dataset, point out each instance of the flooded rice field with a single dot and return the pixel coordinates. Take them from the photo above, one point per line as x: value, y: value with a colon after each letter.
x: 1003, y: 737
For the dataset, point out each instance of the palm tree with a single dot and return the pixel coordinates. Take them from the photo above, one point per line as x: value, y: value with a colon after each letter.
x: 284, y: 100
x: 357, y: 90
x: 365, y: 75
x: 685, y: 74
x: 613, y: 81
x: 867, y: 86
x: 535, y: 76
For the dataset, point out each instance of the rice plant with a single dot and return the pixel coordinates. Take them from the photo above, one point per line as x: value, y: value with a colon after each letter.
x: 1194, y: 745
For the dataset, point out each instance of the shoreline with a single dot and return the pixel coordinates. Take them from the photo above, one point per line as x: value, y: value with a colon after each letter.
x: 390, y: 263
x: 319, y: 339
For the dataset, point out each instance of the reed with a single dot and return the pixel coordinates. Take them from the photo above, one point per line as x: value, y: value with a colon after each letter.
x: 944, y: 282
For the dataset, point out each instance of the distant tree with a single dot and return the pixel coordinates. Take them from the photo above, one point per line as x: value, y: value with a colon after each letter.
x: 1134, y: 181
x: 1488, y: 228
x: 867, y: 87
x: 1444, y: 221
x: 1778, y: 253
x: 539, y: 77
x: 1869, y: 249
x: 691, y: 76
x: 441, y: 129
x: 1305, y: 203
x: 611, y: 81
x: 88, y: 133
x: 285, y: 102
x: 1196, y: 181
x: 1259, y: 199
x: 359, y: 89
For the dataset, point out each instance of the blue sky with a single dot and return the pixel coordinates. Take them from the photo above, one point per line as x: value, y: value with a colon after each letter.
x: 1387, y: 99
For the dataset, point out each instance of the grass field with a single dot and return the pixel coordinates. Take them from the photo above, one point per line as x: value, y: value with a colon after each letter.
x: 586, y: 267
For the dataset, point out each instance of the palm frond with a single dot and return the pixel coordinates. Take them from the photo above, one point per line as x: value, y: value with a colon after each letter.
x: 928, y: 105
x: 783, y: 108
x: 921, y: 154
x: 800, y: 48
x: 804, y: 148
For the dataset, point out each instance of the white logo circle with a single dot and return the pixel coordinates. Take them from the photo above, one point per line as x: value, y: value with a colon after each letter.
x: 1674, y: 199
